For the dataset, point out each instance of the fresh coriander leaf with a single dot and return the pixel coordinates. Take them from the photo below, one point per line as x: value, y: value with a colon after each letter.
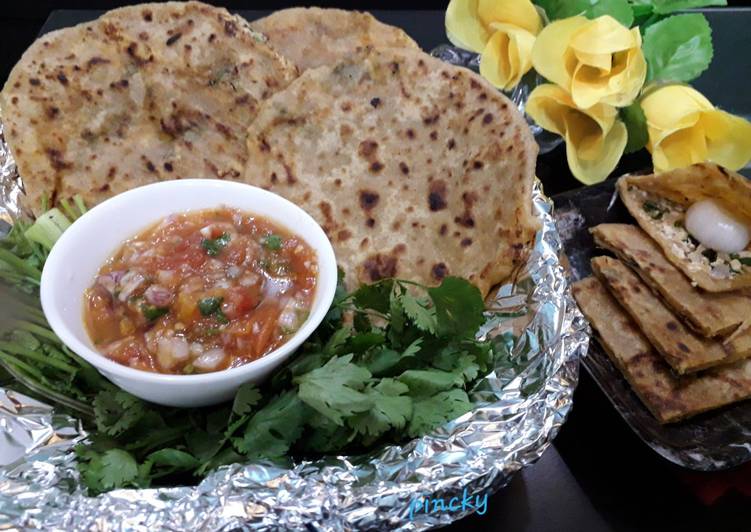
x: 636, y: 124
x: 426, y: 382
x: 274, y: 428
x: 325, y: 436
x: 334, y: 389
x: 273, y: 242
x: 419, y: 313
x: 152, y: 313
x: 460, y: 363
x: 431, y: 412
x: 361, y: 322
x: 208, y: 305
x: 396, y: 314
x: 203, y: 445
x: 217, y: 418
x: 413, y: 348
x: 363, y: 341
x: 118, y: 468
x: 618, y: 9
x: 173, y: 458
x: 382, y: 362
x: 483, y: 352
x: 214, y: 246
x: 678, y: 48
x: 665, y: 7
x: 221, y: 317
x: 337, y: 340
x: 746, y: 261
x: 114, y: 413
x: 459, y: 308
x: 391, y: 409
x: 374, y: 296
x: 246, y: 397
x: 224, y: 457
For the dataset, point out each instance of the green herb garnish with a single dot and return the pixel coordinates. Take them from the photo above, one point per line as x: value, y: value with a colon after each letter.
x: 209, y: 305
x: 653, y: 210
x: 214, y: 246
x: 152, y: 313
x: 710, y: 254
x: 273, y: 242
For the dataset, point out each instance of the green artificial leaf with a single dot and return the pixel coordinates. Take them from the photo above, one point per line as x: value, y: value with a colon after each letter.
x: 391, y: 409
x: 419, y: 312
x: 618, y: 9
x: 431, y: 412
x: 426, y: 382
x: 678, y: 48
x: 636, y: 124
x: 274, y: 428
x: 665, y: 7
x: 246, y: 397
x: 458, y: 307
x: 334, y: 389
x: 173, y: 458
x: 118, y: 468
x: 374, y: 296
x: 116, y: 412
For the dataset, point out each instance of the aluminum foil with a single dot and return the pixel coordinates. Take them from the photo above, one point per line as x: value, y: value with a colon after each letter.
x: 522, y: 404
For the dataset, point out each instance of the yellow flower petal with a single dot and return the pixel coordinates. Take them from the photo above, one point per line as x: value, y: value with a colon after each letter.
x: 595, y: 139
x: 520, y: 13
x: 551, y: 56
x: 685, y: 128
x: 463, y: 26
x: 604, y: 35
x: 507, y: 56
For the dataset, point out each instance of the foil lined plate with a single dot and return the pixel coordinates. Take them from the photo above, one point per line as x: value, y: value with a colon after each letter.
x: 521, y: 406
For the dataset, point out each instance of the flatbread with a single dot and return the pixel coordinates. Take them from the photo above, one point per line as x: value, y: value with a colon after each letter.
x: 312, y: 37
x: 709, y: 313
x: 144, y: 93
x: 675, y: 191
x: 413, y: 167
x: 684, y: 350
x: 670, y: 398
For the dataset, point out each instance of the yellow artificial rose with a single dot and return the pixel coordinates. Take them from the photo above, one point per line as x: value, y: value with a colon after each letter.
x: 596, y: 61
x: 685, y: 128
x: 502, y: 31
x: 595, y: 138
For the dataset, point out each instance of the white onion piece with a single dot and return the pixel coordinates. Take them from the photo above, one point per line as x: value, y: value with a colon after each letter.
x: 171, y: 350
x: 714, y: 227
x: 209, y: 360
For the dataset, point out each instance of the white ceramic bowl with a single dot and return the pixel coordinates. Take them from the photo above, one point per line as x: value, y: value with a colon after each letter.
x: 77, y: 256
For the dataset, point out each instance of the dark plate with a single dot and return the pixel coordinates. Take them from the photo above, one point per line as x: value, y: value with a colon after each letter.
x: 712, y: 441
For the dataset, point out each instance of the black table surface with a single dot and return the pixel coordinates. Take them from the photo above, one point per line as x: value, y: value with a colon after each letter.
x: 597, y: 475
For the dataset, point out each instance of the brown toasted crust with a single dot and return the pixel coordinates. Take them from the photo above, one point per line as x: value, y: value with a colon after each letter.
x: 685, y: 351
x: 144, y: 93
x: 312, y: 37
x: 670, y: 398
x: 686, y: 186
x: 414, y: 168
x: 709, y: 313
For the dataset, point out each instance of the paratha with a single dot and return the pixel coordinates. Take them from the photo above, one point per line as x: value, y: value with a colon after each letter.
x: 684, y: 350
x: 413, y: 167
x: 148, y: 92
x: 312, y: 37
x: 670, y: 398
x: 659, y: 202
x: 709, y: 313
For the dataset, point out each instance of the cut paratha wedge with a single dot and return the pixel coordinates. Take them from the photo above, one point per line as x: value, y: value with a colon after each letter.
x: 684, y: 350
x: 669, y: 397
x: 659, y: 203
x: 144, y: 93
x: 312, y: 36
x: 709, y: 313
x: 414, y: 168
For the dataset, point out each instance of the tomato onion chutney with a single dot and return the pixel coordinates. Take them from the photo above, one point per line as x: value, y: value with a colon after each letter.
x: 201, y: 291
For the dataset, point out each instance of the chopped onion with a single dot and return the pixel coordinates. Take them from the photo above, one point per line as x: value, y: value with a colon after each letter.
x: 715, y: 228
x: 233, y: 272
x: 129, y: 283
x: 170, y: 351
x: 158, y: 295
x: 210, y: 360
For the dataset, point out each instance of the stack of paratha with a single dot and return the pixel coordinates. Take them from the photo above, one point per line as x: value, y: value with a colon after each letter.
x: 414, y: 168
x: 684, y: 347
